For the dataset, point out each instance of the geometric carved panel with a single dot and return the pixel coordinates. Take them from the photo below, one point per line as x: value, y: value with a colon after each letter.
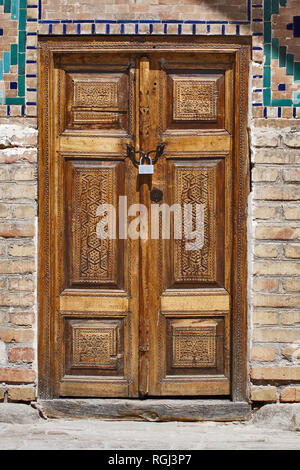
x: 93, y: 258
x: 97, y: 101
x: 194, y: 100
x: 194, y: 345
x: 196, y: 185
x: 95, y: 347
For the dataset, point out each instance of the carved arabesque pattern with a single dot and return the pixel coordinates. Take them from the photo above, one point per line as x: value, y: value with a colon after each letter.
x: 95, y: 347
x: 96, y: 94
x: 196, y: 186
x: 194, y: 346
x: 93, y: 257
x: 195, y: 100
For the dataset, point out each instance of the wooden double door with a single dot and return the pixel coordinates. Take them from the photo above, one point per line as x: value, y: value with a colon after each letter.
x: 138, y: 312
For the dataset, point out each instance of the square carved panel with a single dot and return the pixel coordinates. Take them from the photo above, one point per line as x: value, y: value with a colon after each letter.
x: 194, y: 99
x: 193, y: 343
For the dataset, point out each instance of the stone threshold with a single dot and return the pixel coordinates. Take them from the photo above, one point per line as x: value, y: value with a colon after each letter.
x: 145, y: 410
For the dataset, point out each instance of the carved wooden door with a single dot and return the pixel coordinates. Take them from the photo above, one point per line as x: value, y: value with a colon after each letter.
x: 140, y: 316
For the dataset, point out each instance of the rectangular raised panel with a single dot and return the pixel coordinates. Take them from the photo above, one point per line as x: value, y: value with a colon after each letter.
x: 193, y: 343
x: 94, y: 346
x: 200, y: 185
x: 93, y: 260
x: 93, y: 304
x: 97, y: 100
x: 195, y: 302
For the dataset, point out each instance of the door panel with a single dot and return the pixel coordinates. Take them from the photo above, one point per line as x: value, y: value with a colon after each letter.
x: 151, y: 316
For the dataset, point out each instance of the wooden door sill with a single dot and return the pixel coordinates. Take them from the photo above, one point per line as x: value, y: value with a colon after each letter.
x: 162, y: 409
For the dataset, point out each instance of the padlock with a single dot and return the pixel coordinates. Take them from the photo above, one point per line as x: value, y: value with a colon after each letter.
x: 147, y: 169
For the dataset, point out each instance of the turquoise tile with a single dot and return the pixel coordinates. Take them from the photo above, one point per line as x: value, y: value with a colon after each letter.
x: 297, y: 72
x: 14, y: 9
x: 22, y: 41
x: 21, y: 85
x: 13, y: 54
x: 22, y: 19
x: 282, y: 56
x: 267, y: 52
x: 267, y: 77
x: 1, y: 94
x: 275, y: 7
x: 14, y: 100
x: 296, y: 95
x: 267, y: 10
x: 7, y: 6
x: 282, y: 102
x: 267, y: 31
x: 23, y: 3
x: 6, y: 59
x: 267, y: 96
x: 275, y: 48
x: 290, y: 64
x: 1, y: 69
x: 21, y: 64
x: 1, y: 2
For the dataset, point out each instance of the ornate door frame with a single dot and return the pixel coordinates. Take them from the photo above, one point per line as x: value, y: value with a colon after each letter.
x: 240, y: 49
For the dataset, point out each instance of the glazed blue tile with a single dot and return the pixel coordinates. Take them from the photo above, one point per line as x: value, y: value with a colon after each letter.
x: 296, y: 27
x: 1, y: 69
x: 281, y: 87
x: 279, y: 112
x: 1, y: 32
x: 6, y: 60
x: 13, y: 85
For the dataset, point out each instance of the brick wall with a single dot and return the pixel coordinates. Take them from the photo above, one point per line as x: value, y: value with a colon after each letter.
x: 274, y: 214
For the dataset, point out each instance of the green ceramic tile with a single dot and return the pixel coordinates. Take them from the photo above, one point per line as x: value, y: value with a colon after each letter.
x: 14, y: 100
x: 14, y: 54
x: 297, y: 72
x: 22, y: 40
x: 267, y: 77
x: 282, y: 3
x: 22, y: 19
x: 23, y: 3
x: 14, y: 9
x: 267, y: 10
x: 275, y: 48
x: 282, y: 56
x: 21, y: 85
x: 282, y: 102
x: 1, y: 2
x: 267, y: 96
x: 267, y: 52
x: 7, y: 6
x: 290, y: 64
x: 267, y: 31
x: 21, y: 64
x: 275, y: 7
x: 1, y: 69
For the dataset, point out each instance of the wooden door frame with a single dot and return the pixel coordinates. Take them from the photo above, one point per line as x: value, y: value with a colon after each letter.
x: 240, y: 48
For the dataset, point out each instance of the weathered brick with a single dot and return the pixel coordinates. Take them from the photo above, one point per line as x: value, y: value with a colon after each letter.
x: 263, y: 353
x: 24, y: 174
x: 14, y: 375
x: 23, y: 211
x: 265, y: 138
x: 291, y: 213
x: 264, y: 174
x: 290, y: 395
x: 292, y: 175
x: 17, y: 191
x: 265, y: 284
x: 17, y: 335
x: 265, y: 317
x: 290, y: 318
x: 15, y: 135
x: 292, y: 353
x: 2, y: 392
x: 20, y: 284
x: 292, y: 251
x: 17, y: 394
x: 276, y: 267
x: 12, y: 155
x: 17, y: 299
x: 17, y: 267
x: 279, y: 373
x: 291, y: 139
x: 4, y: 210
x: 275, y: 335
x: 264, y: 394
x: 21, y: 250
x: 291, y: 284
x: 19, y: 229
x: 269, y: 232
x: 3, y: 353
x: 276, y: 156
x: 277, y: 192
x: 264, y: 212
x: 21, y: 354
x: 276, y: 300
x: 266, y: 251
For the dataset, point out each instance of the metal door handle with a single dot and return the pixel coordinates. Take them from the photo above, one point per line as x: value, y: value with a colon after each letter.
x: 131, y: 152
